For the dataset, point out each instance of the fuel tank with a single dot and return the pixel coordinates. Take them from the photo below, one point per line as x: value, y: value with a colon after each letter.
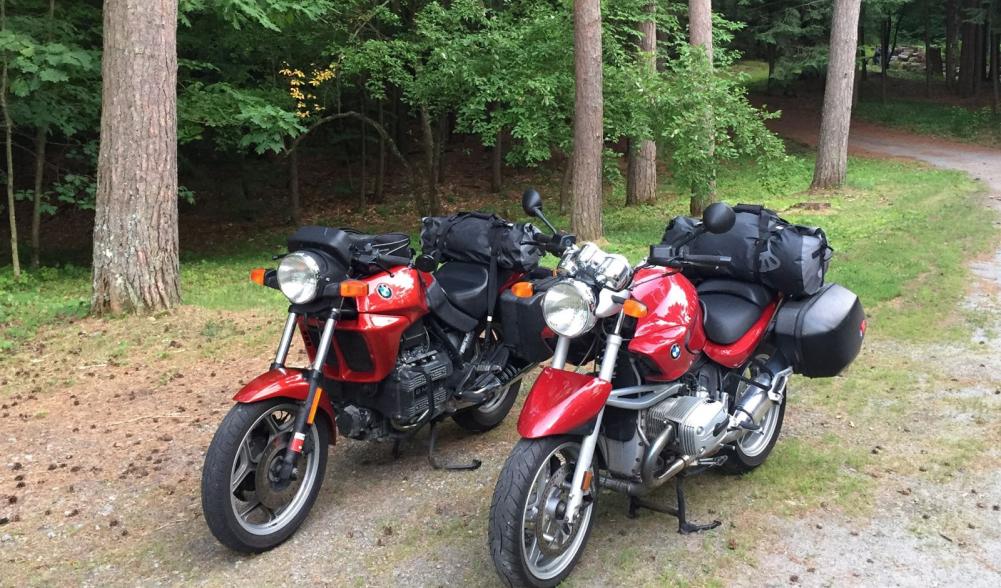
x: 670, y: 337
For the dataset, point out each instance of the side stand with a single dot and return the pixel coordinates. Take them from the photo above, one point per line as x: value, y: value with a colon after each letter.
x: 439, y: 465
x: 684, y: 526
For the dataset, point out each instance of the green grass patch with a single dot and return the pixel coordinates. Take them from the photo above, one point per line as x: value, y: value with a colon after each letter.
x: 932, y: 118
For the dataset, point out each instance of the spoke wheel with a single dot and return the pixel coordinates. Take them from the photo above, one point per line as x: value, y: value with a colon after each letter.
x: 532, y: 540
x: 245, y: 505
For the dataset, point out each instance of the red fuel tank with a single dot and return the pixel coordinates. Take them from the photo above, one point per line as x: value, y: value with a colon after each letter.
x: 670, y: 337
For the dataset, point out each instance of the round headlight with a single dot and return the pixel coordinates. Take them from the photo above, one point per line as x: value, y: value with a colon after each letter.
x: 568, y: 308
x: 299, y: 276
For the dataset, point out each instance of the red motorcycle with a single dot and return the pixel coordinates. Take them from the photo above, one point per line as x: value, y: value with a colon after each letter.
x: 691, y: 377
x: 394, y: 344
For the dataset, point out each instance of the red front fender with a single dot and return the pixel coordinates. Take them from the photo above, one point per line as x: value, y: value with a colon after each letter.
x: 561, y: 401
x: 284, y: 383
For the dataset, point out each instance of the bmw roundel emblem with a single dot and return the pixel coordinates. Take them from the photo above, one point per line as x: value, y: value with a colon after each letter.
x: 384, y: 291
x: 675, y: 351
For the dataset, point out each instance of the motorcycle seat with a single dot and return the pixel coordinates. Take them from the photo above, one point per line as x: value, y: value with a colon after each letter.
x: 465, y: 286
x: 731, y: 308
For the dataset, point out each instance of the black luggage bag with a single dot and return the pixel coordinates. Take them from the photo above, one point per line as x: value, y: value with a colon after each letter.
x: 765, y: 248
x: 476, y: 236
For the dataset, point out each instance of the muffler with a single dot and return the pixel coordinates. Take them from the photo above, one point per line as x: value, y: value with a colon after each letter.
x: 764, y: 391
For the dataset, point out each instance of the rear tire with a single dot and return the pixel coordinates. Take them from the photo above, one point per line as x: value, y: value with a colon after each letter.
x: 232, y: 480
x: 750, y: 452
x: 534, y: 478
x: 482, y: 418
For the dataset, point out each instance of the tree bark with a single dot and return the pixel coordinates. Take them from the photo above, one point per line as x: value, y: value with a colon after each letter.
x: 861, y: 72
x: 927, y: 48
x: 41, y: 138
x: 294, y: 198
x: 951, y: 30
x: 566, y: 184
x: 641, y: 179
x: 363, y: 191
x: 969, y: 32
x: 430, y: 165
x: 832, y: 150
x: 380, y: 178
x: 588, y: 138
x: 497, y: 163
x: 884, y: 58
x: 700, y: 31
x: 9, y: 155
x: 135, y: 232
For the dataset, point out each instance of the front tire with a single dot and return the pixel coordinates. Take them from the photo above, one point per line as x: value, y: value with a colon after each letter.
x: 530, y: 543
x: 243, y: 507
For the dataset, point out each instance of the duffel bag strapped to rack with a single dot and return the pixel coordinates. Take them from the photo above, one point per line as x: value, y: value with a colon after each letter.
x: 479, y: 238
x: 764, y: 247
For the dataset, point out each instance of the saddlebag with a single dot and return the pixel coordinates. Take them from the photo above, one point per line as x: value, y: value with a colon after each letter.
x: 765, y: 248
x: 522, y: 324
x: 476, y: 237
x: 821, y: 334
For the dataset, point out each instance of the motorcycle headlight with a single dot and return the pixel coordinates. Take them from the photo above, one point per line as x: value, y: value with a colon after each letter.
x: 299, y: 277
x: 568, y: 308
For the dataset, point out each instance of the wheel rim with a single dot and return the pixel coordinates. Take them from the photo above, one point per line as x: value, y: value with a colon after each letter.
x: 259, y: 507
x: 497, y: 400
x: 549, y: 544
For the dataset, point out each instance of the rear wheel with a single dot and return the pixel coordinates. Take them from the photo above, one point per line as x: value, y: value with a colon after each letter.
x: 754, y: 447
x: 244, y: 506
x: 486, y: 416
x: 531, y: 541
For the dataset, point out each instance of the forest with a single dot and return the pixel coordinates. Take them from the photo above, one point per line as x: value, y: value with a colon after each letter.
x: 354, y: 104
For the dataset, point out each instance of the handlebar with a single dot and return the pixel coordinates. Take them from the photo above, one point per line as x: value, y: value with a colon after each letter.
x: 667, y: 256
x: 555, y: 244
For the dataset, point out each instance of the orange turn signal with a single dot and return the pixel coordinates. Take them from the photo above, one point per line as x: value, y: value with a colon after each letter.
x: 634, y: 308
x: 257, y: 276
x: 523, y: 289
x: 354, y: 289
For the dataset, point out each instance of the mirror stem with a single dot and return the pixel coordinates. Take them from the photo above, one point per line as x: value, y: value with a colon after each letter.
x: 538, y: 213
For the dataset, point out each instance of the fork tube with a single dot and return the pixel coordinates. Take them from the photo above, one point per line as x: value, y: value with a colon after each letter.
x: 285, y: 342
x: 560, y: 353
x: 304, y: 416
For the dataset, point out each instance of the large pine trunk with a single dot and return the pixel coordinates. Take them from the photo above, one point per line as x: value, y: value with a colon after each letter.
x: 969, y: 78
x: 700, y: 31
x: 588, y: 121
x: 641, y: 180
x: 135, y: 231
x: 832, y: 150
x: 951, y: 32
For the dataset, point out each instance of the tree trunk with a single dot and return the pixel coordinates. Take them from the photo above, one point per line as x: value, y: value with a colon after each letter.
x: 700, y: 31
x: 771, y: 54
x: 951, y: 30
x: 135, y: 229
x: 430, y: 165
x: 884, y: 58
x: 363, y: 191
x: 36, y: 212
x: 497, y: 163
x: 588, y: 138
x: 380, y: 178
x: 444, y: 135
x: 927, y: 48
x: 832, y: 149
x: 995, y: 72
x: 566, y: 184
x: 969, y: 32
x: 9, y: 154
x: 294, y: 198
x: 641, y: 179
x: 861, y: 72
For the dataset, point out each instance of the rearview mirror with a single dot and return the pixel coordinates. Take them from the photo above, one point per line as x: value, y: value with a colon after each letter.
x: 718, y: 218
x: 531, y: 202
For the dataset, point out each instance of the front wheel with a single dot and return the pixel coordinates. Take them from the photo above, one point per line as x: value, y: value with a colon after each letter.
x: 244, y: 506
x: 531, y: 541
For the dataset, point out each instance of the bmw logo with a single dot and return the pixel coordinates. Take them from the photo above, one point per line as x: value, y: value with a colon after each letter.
x: 675, y: 351
x: 384, y: 291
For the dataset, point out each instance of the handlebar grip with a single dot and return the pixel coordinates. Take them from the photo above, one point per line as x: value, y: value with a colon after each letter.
x: 708, y: 259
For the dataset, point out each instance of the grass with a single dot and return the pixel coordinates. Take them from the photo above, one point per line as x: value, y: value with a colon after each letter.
x: 932, y: 118
x: 886, y: 226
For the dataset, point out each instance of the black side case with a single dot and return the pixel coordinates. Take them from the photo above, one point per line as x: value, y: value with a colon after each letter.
x: 821, y: 334
x: 523, y: 325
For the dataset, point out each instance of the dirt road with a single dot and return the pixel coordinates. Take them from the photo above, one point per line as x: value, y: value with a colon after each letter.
x: 888, y: 477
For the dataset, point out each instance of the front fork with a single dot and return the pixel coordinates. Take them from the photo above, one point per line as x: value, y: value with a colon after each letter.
x: 578, y: 486
x: 307, y: 411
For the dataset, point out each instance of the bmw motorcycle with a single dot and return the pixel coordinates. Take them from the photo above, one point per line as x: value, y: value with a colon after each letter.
x: 394, y: 344
x: 690, y: 377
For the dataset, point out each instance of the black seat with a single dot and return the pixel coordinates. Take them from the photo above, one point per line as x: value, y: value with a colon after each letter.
x: 465, y: 286
x: 731, y: 307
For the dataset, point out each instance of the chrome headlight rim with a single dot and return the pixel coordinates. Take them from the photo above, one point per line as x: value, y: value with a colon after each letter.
x: 584, y: 315
x: 300, y: 284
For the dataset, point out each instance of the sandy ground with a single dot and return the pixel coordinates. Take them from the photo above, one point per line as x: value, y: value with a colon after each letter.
x: 105, y: 424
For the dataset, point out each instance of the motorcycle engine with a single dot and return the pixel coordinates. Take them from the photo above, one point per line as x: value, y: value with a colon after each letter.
x: 699, y: 423
x: 408, y: 392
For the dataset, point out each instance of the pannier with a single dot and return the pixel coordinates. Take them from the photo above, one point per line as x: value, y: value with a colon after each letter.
x: 476, y: 237
x: 765, y: 248
x: 524, y: 325
x: 821, y: 335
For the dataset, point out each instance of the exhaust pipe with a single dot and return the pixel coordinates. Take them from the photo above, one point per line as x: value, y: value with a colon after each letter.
x: 760, y: 396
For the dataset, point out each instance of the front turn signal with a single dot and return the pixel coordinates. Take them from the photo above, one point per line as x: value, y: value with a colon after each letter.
x: 257, y: 276
x: 523, y: 289
x: 634, y: 308
x: 354, y: 289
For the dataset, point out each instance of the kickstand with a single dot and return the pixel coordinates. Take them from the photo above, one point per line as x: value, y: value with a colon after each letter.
x: 684, y: 526
x: 474, y: 464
